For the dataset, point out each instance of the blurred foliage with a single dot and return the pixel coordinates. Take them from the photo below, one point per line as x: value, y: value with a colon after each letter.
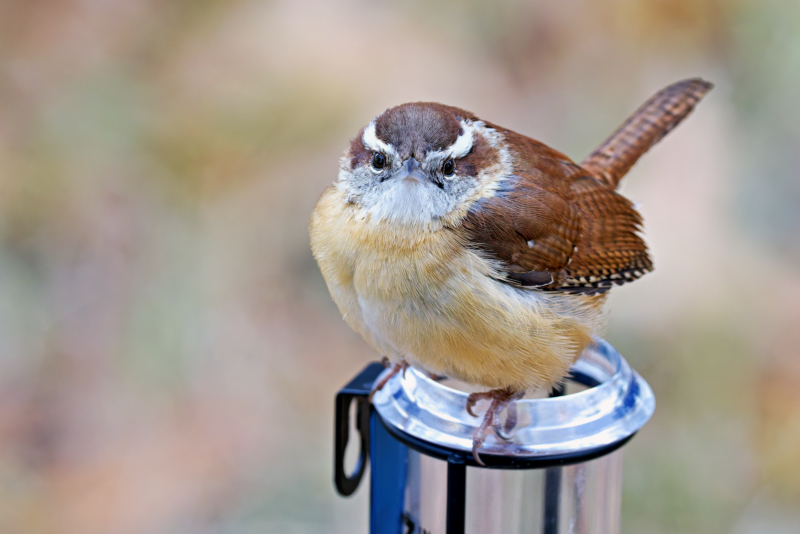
x: 168, y: 350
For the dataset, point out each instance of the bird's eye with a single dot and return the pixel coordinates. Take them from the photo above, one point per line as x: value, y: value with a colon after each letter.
x: 449, y: 167
x: 378, y: 161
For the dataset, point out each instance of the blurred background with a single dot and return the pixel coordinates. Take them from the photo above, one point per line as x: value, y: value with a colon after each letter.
x: 169, y: 353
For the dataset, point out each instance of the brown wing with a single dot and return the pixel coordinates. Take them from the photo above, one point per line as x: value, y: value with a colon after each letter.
x: 554, y: 226
x: 531, y: 230
x: 611, y: 251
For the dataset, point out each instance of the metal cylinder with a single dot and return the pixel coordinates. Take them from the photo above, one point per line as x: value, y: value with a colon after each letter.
x: 560, y: 472
x: 579, y: 498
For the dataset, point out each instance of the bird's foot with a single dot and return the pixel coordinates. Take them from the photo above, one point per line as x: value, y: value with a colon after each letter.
x: 500, y: 398
x: 395, y: 368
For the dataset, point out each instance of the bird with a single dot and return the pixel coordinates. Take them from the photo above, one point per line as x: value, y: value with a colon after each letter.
x: 470, y: 251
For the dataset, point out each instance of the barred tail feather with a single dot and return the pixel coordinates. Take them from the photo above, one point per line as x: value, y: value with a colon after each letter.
x: 665, y: 110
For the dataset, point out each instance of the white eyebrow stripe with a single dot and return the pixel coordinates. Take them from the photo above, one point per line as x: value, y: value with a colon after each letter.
x: 463, y: 144
x: 459, y: 149
x: 372, y: 142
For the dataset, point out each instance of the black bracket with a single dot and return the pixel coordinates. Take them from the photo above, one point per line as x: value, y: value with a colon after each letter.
x: 357, y: 390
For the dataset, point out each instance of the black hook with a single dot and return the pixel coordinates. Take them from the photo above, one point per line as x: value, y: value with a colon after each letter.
x: 357, y: 390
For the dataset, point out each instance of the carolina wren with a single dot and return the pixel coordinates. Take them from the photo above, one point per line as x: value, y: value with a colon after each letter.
x: 471, y: 251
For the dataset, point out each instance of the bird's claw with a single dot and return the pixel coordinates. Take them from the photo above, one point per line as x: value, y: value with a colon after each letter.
x: 501, y: 432
x: 473, y: 399
x: 500, y: 398
x: 470, y: 403
x: 506, y: 430
x: 396, y: 368
x: 476, y: 444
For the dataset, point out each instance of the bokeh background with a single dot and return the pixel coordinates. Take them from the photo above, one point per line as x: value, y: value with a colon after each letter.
x: 168, y: 350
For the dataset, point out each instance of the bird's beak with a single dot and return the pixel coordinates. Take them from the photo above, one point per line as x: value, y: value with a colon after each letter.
x: 411, y: 172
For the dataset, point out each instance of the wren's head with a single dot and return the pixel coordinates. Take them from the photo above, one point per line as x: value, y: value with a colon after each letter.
x: 418, y: 163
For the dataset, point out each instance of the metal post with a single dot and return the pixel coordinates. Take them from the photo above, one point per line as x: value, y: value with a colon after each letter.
x: 552, y: 486
x: 456, y: 495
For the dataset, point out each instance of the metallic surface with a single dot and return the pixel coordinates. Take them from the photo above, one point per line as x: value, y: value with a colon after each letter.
x: 600, y: 416
x: 514, y: 502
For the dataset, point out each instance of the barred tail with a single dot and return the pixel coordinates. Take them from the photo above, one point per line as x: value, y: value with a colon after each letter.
x: 665, y: 110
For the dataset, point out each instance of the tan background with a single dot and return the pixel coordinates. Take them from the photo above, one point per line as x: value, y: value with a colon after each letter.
x: 168, y: 350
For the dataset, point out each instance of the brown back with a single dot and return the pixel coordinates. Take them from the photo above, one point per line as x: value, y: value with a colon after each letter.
x: 563, y: 227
